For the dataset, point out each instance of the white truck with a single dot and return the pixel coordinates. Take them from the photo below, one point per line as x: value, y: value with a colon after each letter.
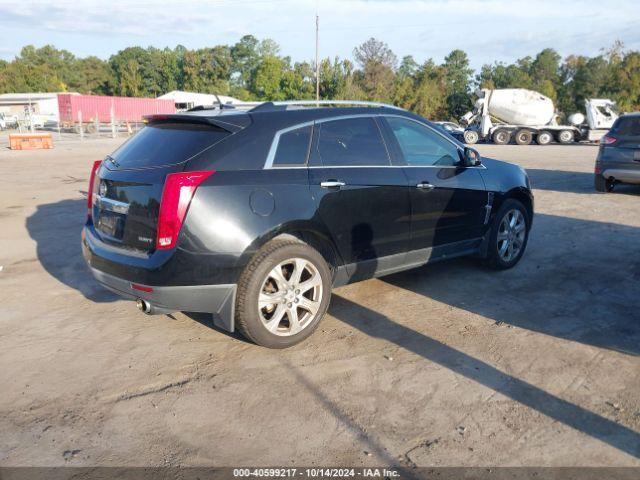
x: 526, y: 116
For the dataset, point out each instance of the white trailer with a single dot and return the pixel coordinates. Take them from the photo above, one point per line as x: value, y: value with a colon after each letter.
x: 526, y: 116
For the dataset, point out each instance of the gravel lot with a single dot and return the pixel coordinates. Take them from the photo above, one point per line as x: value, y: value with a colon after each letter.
x: 445, y: 365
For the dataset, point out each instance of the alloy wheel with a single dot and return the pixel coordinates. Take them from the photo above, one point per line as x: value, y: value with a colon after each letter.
x: 511, y: 235
x: 290, y: 297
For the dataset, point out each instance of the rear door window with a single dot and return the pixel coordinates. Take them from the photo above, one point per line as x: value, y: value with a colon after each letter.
x: 166, y: 144
x: 351, y: 142
x: 629, y: 126
x: 293, y: 148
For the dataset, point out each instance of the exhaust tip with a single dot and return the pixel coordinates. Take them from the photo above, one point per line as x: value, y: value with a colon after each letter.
x: 143, y: 306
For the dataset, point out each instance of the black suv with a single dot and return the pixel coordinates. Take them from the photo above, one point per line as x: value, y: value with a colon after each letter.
x: 255, y: 215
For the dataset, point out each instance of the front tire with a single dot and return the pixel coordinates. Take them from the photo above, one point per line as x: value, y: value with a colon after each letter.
x: 471, y: 137
x: 283, y: 293
x: 509, y: 235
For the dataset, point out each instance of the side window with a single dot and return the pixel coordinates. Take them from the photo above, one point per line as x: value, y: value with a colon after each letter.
x: 293, y: 147
x: 627, y: 126
x: 351, y: 142
x: 421, y: 146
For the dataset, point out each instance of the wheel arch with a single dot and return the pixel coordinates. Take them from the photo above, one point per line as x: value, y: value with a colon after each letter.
x: 523, y: 196
x: 309, y: 232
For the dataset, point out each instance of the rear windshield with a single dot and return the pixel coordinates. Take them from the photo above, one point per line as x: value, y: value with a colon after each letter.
x: 166, y: 144
x: 627, y: 126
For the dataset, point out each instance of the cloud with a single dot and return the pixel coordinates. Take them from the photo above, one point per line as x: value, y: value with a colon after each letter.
x: 487, y: 30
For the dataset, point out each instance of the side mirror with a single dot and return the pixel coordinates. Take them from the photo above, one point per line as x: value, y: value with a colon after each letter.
x: 471, y: 157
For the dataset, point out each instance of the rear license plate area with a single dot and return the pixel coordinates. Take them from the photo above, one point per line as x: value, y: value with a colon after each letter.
x: 111, y: 224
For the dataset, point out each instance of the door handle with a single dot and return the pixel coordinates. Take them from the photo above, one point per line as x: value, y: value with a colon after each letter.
x: 425, y: 186
x: 332, y: 184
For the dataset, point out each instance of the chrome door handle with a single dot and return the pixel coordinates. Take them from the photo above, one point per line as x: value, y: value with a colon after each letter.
x: 426, y: 186
x: 332, y: 184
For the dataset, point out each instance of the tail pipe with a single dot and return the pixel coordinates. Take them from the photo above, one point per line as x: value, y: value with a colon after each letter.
x: 143, y: 306
x: 148, y: 308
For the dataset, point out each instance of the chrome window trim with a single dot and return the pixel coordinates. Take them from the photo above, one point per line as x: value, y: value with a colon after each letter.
x: 375, y: 166
x: 276, y: 138
x: 268, y: 164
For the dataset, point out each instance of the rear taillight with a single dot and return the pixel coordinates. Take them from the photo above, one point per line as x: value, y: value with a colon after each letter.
x: 608, y: 140
x: 176, y: 196
x: 597, y: 170
x: 92, y: 180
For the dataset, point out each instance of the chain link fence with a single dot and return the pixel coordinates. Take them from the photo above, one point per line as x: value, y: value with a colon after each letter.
x: 79, y: 130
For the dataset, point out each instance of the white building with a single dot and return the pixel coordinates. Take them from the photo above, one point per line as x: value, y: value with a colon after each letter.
x: 187, y: 100
x: 44, y: 105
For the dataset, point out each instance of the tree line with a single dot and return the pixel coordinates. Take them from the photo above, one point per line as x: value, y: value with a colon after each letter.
x: 253, y: 69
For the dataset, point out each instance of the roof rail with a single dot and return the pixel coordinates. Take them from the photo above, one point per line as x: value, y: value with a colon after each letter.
x: 226, y: 106
x: 284, y: 105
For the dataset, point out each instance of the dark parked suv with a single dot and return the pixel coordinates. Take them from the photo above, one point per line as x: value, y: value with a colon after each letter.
x: 619, y: 154
x: 255, y: 215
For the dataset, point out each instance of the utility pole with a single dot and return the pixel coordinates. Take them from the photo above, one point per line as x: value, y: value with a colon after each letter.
x: 317, y: 64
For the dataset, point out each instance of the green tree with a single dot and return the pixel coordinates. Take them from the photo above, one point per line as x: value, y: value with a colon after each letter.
x: 457, y: 83
x: 431, y: 91
x: 545, y: 73
x: 408, y: 67
x: 378, y: 63
x: 245, y: 58
x: 206, y: 70
x: 266, y: 81
x: 254, y: 69
x: 95, y: 76
x: 127, y: 77
x: 626, y: 82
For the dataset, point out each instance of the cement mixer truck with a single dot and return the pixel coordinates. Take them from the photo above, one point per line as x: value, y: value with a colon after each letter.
x: 526, y: 116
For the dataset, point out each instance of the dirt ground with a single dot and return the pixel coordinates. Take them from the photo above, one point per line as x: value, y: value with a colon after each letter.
x: 446, y: 365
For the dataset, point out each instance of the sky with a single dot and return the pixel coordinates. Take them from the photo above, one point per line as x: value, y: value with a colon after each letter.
x: 490, y: 30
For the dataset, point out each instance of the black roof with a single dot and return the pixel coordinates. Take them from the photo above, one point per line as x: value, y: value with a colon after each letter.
x: 275, y: 118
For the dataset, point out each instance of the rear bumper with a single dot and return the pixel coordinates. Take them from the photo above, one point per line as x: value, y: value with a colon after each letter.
x: 218, y: 300
x: 622, y: 174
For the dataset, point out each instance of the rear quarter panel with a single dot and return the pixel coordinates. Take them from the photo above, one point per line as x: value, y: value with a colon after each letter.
x: 235, y: 212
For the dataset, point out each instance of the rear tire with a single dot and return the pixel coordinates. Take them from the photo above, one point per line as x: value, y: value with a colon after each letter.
x: 602, y: 184
x: 566, y: 137
x: 471, y: 137
x: 544, y: 138
x: 283, y: 293
x: 508, y: 236
x: 523, y: 137
x: 501, y: 137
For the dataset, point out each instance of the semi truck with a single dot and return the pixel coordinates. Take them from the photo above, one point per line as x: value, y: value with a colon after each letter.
x: 525, y: 116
